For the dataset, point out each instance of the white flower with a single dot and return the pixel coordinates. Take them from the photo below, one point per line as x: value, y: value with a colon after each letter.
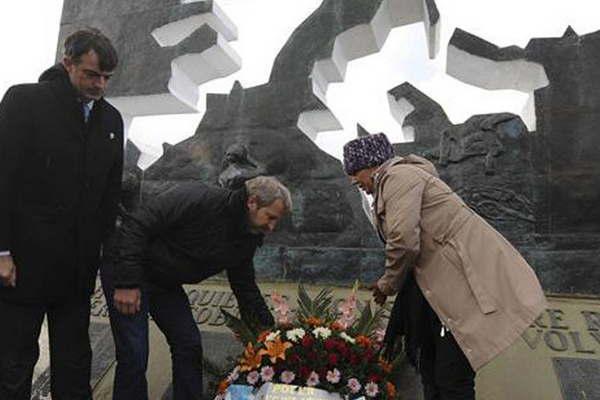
x: 354, y: 385
x: 295, y: 334
x: 220, y: 396
x: 347, y: 338
x: 272, y: 336
x: 267, y: 373
x: 234, y: 375
x: 371, y: 389
x: 252, y: 377
x: 333, y: 376
x: 322, y: 332
x: 287, y: 377
x: 313, y: 379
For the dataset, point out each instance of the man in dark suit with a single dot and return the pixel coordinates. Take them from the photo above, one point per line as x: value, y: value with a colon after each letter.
x: 185, y: 235
x: 61, y: 156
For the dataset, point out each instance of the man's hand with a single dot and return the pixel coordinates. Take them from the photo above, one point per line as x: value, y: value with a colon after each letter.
x: 8, y: 271
x: 127, y: 301
x: 378, y: 294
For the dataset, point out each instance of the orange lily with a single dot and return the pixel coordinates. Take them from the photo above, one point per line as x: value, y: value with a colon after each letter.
x: 385, y: 366
x: 391, y: 390
x: 251, y: 359
x: 223, y: 385
x: 363, y: 341
x: 314, y: 321
x: 336, y: 326
x: 263, y: 336
x: 275, y: 349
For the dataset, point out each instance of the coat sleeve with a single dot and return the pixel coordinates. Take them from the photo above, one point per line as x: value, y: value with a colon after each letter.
x: 402, y: 195
x: 139, y: 228
x: 250, y: 301
x: 13, y: 132
x: 112, y: 193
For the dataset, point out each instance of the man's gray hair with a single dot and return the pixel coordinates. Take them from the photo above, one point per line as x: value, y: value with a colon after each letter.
x: 268, y: 189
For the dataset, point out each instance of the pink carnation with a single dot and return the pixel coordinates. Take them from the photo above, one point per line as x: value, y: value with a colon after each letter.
x: 371, y: 389
x: 252, y: 378
x: 313, y: 379
x: 267, y: 373
x: 287, y: 377
x: 333, y: 376
x: 354, y: 385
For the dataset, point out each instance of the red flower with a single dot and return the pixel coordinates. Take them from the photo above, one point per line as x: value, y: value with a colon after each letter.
x: 342, y: 348
x: 307, y: 341
x: 330, y: 344
x: 354, y: 359
x: 374, y: 378
x: 344, y: 352
x: 312, y: 356
x: 332, y: 359
x: 294, y: 359
x: 304, y: 372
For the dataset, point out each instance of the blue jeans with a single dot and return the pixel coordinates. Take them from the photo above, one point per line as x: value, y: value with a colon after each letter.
x: 170, y: 310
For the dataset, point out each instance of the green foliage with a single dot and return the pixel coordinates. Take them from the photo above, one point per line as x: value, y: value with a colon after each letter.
x: 244, y: 331
x: 321, y: 306
x: 368, y: 321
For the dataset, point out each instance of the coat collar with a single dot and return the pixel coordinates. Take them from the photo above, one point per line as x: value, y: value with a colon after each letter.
x: 378, y: 178
x: 60, y: 84
x: 236, y: 205
x: 384, y: 170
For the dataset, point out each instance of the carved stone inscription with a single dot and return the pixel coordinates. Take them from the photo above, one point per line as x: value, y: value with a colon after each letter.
x: 554, y: 331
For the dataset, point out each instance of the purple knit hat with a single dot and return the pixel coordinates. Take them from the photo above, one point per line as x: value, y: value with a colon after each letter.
x: 366, y: 152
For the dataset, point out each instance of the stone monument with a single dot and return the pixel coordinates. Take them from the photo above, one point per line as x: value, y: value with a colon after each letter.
x: 534, y: 178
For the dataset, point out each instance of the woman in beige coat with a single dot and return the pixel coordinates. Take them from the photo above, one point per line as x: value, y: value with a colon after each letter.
x: 481, y: 291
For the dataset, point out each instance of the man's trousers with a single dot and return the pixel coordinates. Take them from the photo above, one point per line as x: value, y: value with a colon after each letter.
x: 170, y: 310
x: 70, y: 350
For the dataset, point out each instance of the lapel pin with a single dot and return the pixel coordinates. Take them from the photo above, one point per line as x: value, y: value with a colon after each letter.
x: 111, y: 136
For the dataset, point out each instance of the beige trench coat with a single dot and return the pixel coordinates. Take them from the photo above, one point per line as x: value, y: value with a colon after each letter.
x: 480, y: 287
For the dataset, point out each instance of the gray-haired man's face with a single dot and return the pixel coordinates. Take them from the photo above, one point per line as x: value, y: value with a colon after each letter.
x: 264, y: 219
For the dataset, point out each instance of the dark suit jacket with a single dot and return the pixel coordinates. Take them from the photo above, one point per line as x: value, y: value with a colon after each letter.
x: 59, y: 183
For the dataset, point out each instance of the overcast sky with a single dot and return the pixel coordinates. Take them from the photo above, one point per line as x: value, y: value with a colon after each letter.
x: 29, y: 32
